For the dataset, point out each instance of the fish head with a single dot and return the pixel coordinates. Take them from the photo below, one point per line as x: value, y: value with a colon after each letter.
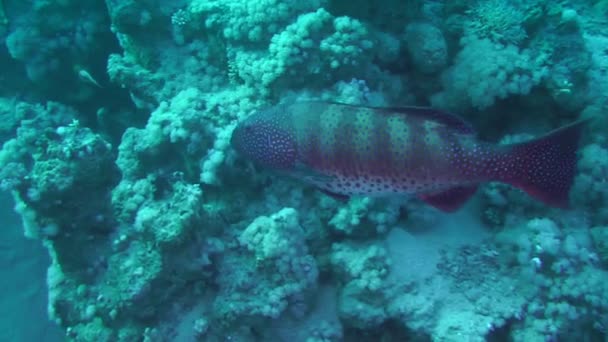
x: 266, y: 140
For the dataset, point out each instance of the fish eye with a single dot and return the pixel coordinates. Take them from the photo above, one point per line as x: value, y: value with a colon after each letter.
x: 248, y: 128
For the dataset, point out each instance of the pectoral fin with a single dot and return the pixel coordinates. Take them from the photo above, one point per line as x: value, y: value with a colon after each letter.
x: 336, y: 196
x: 451, y: 199
x: 310, y: 175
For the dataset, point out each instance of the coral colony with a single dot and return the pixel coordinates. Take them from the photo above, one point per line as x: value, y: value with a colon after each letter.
x: 315, y: 171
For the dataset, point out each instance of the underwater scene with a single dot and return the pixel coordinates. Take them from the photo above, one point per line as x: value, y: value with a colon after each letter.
x: 304, y: 170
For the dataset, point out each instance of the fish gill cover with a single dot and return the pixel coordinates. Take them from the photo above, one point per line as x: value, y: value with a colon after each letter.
x: 116, y: 120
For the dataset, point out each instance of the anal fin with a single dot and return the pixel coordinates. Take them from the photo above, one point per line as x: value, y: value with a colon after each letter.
x: 451, y: 199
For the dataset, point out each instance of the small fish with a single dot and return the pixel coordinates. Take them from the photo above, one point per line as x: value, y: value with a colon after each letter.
x: 347, y: 150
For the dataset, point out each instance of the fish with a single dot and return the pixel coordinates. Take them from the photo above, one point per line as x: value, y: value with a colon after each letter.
x: 354, y: 150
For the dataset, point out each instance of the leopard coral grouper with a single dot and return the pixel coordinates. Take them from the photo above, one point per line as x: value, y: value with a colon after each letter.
x: 350, y: 150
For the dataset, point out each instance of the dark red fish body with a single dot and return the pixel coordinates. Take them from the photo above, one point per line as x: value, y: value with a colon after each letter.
x: 350, y: 150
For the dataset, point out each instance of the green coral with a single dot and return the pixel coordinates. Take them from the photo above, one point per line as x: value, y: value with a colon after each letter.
x: 601, y: 6
x: 498, y: 20
x: 246, y: 21
x: 94, y: 330
x: 271, y: 267
x: 3, y: 18
x: 363, y: 266
x: 9, y: 118
x: 130, y: 275
x: 599, y: 235
x: 169, y: 220
x: 317, y: 43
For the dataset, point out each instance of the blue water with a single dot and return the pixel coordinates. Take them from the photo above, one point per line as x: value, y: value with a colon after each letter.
x: 24, y: 297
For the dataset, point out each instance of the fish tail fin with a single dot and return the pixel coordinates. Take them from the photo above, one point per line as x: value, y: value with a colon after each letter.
x: 545, y: 167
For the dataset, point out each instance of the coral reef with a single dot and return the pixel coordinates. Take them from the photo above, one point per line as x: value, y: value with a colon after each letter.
x: 115, y: 123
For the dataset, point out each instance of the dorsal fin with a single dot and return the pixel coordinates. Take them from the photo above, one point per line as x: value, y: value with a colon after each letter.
x: 449, y: 119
